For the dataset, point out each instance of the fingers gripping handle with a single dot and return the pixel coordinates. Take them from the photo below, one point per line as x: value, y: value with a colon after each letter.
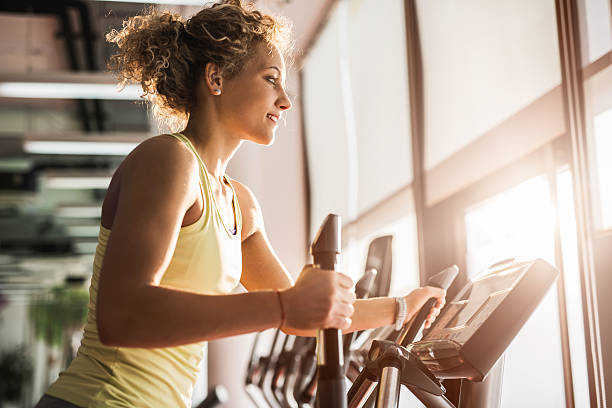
x: 410, y: 332
x: 331, y: 393
x: 441, y: 280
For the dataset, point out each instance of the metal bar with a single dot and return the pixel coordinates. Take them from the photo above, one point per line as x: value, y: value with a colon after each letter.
x: 574, y: 116
x: 610, y: 18
x: 74, y: 64
x: 388, y: 391
x: 561, y: 301
x: 331, y: 392
x: 484, y: 394
x: 362, y: 394
x: 89, y: 43
x: 417, y: 124
x: 268, y: 370
x: 293, y: 368
x: 305, y: 162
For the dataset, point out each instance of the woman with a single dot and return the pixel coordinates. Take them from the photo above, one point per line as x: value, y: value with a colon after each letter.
x: 183, y: 233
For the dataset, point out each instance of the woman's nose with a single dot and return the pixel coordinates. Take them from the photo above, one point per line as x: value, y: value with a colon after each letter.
x: 284, y: 102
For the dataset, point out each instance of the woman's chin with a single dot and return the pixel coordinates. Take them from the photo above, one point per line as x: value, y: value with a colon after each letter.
x: 264, y: 140
x: 270, y: 140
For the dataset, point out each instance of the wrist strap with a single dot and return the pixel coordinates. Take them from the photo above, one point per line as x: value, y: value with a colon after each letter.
x: 282, y: 309
x: 401, y: 310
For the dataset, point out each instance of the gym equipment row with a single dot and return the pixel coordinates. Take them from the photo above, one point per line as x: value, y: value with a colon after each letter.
x: 465, y: 342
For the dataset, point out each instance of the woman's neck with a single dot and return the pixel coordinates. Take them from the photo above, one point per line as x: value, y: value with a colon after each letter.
x: 215, y: 145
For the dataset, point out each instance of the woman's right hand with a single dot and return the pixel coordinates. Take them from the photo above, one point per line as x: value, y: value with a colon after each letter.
x: 320, y: 299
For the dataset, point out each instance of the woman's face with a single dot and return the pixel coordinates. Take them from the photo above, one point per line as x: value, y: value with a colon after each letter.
x: 252, y: 102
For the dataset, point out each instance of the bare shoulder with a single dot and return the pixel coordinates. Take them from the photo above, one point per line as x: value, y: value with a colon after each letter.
x: 161, y: 166
x: 162, y: 151
x: 252, y: 219
x: 167, y: 164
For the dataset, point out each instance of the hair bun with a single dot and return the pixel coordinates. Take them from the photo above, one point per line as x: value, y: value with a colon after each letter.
x: 154, y: 53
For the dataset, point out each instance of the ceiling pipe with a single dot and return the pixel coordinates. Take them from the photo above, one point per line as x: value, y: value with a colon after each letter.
x: 59, y: 8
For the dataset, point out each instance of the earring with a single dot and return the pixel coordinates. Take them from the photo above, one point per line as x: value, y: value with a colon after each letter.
x: 217, y: 92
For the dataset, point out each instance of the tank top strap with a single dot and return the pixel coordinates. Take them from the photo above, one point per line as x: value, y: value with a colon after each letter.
x: 187, y: 142
x: 236, y: 204
x: 206, y: 182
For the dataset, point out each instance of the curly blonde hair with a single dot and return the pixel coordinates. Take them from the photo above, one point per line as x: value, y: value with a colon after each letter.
x: 166, y: 54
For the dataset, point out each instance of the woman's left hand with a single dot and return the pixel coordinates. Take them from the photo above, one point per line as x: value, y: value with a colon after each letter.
x: 418, y: 297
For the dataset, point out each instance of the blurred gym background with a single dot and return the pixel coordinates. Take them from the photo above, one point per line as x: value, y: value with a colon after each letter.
x: 472, y: 130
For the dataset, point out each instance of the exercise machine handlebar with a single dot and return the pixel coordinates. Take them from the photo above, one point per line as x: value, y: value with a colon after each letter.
x: 216, y: 395
x: 442, y: 280
x: 330, y: 357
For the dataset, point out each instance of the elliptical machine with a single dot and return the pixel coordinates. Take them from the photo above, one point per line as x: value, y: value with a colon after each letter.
x: 287, y: 375
x: 465, y: 342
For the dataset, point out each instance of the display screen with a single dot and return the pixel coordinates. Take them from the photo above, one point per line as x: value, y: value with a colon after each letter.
x: 472, y: 307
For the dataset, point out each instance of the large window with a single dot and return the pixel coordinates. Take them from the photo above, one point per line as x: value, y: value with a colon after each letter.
x: 329, y: 159
x: 524, y: 221
x: 356, y: 113
x: 496, y: 160
x: 520, y: 222
x: 597, y: 184
x: 598, y: 104
x: 483, y: 63
x: 494, y: 116
x: 405, y: 254
x: 379, y: 92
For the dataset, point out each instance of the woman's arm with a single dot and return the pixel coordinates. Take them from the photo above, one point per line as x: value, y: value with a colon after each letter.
x: 158, y: 184
x: 377, y: 312
x: 263, y: 270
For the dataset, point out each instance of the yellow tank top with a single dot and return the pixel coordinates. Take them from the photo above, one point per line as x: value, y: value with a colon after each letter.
x: 207, y: 260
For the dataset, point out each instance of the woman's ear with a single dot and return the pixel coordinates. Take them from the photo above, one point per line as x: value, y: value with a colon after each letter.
x: 213, y: 78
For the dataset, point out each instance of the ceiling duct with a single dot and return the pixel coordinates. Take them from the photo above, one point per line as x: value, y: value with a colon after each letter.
x: 61, y: 9
x: 70, y: 144
x: 65, y: 85
x: 71, y: 179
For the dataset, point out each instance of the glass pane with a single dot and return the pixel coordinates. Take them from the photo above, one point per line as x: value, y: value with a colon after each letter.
x: 519, y: 222
x: 533, y: 367
x: 356, y: 110
x: 573, y: 296
x: 598, y: 109
x: 602, y: 124
x: 405, y: 261
x: 482, y: 62
x: 595, y: 34
x: 379, y: 90
x: 326, y: 128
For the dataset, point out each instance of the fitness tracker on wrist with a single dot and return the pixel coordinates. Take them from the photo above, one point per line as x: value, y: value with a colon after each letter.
x: 401, y: 310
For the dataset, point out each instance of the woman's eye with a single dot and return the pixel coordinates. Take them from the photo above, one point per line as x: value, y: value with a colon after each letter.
x: 272, y: 80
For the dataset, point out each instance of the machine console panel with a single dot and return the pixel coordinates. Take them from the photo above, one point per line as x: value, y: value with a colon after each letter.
x: 486, y: 315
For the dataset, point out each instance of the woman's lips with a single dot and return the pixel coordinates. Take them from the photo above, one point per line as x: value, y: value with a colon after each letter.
x: 272, y: 117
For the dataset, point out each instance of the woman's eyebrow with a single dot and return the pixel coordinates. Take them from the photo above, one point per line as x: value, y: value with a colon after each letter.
x: 276, y: 68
